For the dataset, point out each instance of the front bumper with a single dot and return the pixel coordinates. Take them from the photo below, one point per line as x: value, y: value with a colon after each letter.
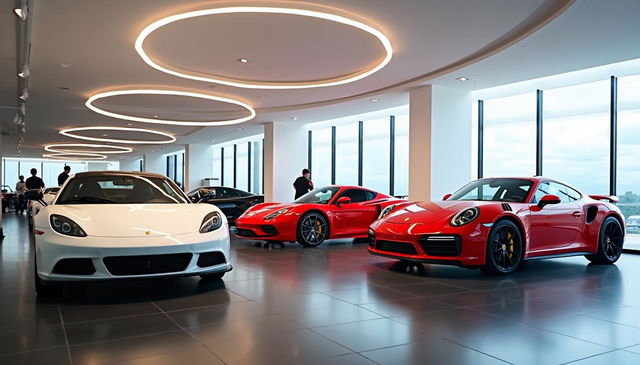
x: 116, y: 258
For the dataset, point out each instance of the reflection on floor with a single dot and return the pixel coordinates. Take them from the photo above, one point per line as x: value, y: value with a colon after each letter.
x: 331, y: 305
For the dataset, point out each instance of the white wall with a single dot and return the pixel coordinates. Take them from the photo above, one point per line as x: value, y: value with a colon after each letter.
x: 285, y: 155
x: 130, y: 164
x: 155, y: 162
x: 439, y: 141
x: 198, y: 164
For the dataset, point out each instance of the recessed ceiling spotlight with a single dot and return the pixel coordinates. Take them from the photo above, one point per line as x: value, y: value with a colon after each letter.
x: 65, y: 65
x: 462, y: 78
x: 93, y: 98
x: 72, y: 132
x: 243, y: 60
x: 384, y: 41
x: 24, y: 71
x: 155, y: 115
x: 21, y: 12
x: 129, y: 124
x: 64, y: 88
x: 374, y: 100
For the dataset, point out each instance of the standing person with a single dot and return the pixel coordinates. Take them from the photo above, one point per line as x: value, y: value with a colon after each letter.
x: 34, y: 182
x: 64, y: 175
x: 21, y: 187
x: 302, y: 184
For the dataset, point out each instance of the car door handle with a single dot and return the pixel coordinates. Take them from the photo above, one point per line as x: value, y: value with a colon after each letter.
x: 577, y: 214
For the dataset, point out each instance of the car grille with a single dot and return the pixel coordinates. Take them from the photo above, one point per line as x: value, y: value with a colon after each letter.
x: 74, y: 267
x: 245, y: 232
x: 207, y: 259
x: 269, y: 229
x: 397, y: 247
x: 441, y: 245
x: 147, y: 264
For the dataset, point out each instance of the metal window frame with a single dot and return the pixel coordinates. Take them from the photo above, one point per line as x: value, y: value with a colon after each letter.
x: 539, y: 126
x: 235, y: 165
x: 613, y: 142
x: 360, y: 151
x: 333, y: 155
x: 249, y: 166
x: 480, y: 138
x: 309, y: 150
x: 392, y: 154
x: 221, y: 166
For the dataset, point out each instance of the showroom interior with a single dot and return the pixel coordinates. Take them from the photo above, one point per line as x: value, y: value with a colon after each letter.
x: 223, y: 103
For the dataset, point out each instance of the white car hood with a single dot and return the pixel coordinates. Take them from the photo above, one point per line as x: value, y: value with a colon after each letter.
x: 131, y: 220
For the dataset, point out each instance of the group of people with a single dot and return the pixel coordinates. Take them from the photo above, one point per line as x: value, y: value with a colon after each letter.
x: 34, y: 182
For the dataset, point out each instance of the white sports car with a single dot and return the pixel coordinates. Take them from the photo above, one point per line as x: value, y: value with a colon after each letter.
x: 35, y: 206
x: 118, y: 225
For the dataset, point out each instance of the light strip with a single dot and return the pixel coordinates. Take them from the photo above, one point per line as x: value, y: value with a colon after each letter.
x: 93, y: 98
x: 79, y: 156
x: 69, y: 132
x: 309, y: 13
x: 62, y: 148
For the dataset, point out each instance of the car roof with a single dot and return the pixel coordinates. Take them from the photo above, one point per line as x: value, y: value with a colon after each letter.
x: 121, y: 173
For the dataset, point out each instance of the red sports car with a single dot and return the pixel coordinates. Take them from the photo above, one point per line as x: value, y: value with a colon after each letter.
x: 329, y: 212
x: 496, y: 223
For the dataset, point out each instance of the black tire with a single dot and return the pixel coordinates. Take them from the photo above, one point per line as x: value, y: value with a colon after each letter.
x: 504, y: 249
x: 214, y: 276
x: 312, y: 229
x: 41, y: 288
x: 610, y: 241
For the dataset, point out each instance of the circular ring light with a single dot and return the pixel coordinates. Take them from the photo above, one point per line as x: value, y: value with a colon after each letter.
x: 75, y: 156
x: 139, y: 46
x: 106, y: 149
x: 107, y: 94
x: 71, y: 132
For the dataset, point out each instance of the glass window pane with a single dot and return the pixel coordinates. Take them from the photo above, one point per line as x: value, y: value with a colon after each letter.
x: 217, y: 164
x: 401, y: 166
x: 375, y: 155
x: 228, y: 166
x: 628, y: 152
x: 347, y: 154
x: 50, y: 172
x: 576, y: 136
x: 256, y: 167
x: 242, y: 166
x: 321, y: 157
x: 10, y: 173
x: 510, y: 136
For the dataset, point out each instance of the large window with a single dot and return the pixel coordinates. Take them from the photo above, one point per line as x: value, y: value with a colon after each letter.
x: 576, y: 136
x: 321, y: 157
x: 48, y: 170
x: 227, y: 173
x: 628, y: 188
x: 375, y: 155
x: 401, y: 154
x: 256, y: 167
x: 510, y: 130
x: 175, y: 168
x: 242, y: 166
x: 347, y: 154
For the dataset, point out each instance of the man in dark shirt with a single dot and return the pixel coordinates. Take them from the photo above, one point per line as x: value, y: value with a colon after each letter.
x: 302, y: 184
x: 34, y: 182
x: 64, y: 175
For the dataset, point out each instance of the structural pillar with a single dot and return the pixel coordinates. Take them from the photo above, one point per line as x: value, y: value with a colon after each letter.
x: 439, y: 141
x: 155, y: 162
x: 198, y: 164
x: 285, y: 155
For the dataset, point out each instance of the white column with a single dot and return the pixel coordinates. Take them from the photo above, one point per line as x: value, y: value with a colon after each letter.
x: 198, y: 164
x: 439, y: 141
x: 285, y: 155
x: 155, y: 162
x: 130, y: 164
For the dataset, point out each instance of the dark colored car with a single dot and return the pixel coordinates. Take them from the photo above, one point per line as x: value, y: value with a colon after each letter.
x: 232, y: 202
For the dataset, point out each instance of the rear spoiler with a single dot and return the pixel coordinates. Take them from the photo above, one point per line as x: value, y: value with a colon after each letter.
x: 610, y: 198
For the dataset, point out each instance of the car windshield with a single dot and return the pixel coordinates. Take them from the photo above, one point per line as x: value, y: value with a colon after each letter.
x: 500, y: 189
x: 318, y: 196
x: 120, y: 189
x: 51, y: 190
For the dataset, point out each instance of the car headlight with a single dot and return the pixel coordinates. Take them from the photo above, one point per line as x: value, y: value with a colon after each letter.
x: 464, y: 217
x: 385, y: 212
x: 66, y: 226
x: 275, y: 214
x: 211, y: 222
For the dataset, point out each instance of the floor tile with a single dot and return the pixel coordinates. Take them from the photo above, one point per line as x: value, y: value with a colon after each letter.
x: 110, y: 329
x: 58, y: 356
x: 618, y: 357
x: 593, y: 330
x: 368, y: 335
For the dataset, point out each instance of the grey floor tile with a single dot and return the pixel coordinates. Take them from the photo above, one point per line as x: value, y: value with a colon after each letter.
x: 57, y: 356
x: 368, y: 335
x: 110, y: 329
x: 618, y: 357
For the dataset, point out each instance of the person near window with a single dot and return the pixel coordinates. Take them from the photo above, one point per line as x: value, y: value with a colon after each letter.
x: 302, y: 184
x: 34, y: 182
x: 64, y: 175
x: 21, y: 187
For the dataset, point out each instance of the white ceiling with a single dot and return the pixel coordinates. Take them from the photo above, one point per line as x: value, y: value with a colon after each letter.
x: 429, y: 37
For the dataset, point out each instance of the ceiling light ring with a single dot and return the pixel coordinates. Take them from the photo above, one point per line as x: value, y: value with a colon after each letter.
x: 71, y: 132
x: 107, y: 94
x: 62, y: 148
x: 139, y: 46
x: 80, y: 156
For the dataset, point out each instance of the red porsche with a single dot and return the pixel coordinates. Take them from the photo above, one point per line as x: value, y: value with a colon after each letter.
x: 328, y: 212
x: 496, y: 223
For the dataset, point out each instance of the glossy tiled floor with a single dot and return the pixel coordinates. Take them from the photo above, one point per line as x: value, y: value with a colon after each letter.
x: 330, y: 305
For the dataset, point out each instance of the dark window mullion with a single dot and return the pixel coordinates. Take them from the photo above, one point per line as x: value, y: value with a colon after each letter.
x: 392, y: 154
x: 235, y: 165
x: 613, y: 147
x: 480, y: 137
x: 221, y: 166
x: 333, y: 155
x: 539, y: 125
x: 360, y: 150
x: 248, y: 166
x: 309, y: 151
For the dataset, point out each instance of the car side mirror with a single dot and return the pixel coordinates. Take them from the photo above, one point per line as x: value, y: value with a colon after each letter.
x: 194, y: 199
x: 548, y: 199
x: 343, y: 200
x: 447, y: 196
x: 33, y: 194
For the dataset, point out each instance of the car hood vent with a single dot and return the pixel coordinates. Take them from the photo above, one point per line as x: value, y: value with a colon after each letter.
x: 506, y: 207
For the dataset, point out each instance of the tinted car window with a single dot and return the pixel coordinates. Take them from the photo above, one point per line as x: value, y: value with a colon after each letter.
x: 120, y: 189
x: 554, y: 188
x: 356, y: 195
x: 318, y: 196
x: 500, y: 189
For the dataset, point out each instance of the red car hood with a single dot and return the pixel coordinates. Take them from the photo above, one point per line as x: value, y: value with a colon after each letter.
x: 264, y: 209
x: 430, y: 212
